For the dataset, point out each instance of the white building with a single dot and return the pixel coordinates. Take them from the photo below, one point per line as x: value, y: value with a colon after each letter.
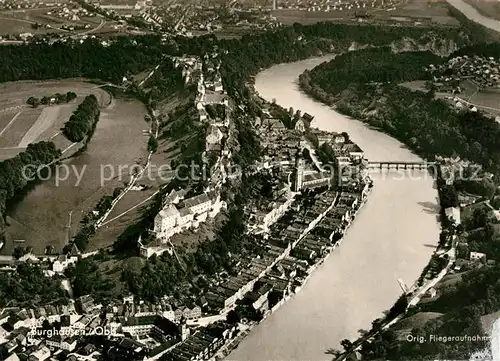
x: 62, y: 262
x: 477, y: 256
x: 453, y: 214
x: 213, y: 138
x: 174, y: 219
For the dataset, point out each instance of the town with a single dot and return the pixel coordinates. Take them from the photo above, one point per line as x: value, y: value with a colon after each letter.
x: 317, y: 183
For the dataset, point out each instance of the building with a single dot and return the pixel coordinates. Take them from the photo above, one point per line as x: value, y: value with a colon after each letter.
x: 316, y: 179
x: 41, y: 354
x: 213, y: 138
x: 63, y: 261
x: 453, y: 214
x: 150, y: 325
x: 189, y: 213
x: 67, y: 344
x: 299, y: 174
x: 477, y: 257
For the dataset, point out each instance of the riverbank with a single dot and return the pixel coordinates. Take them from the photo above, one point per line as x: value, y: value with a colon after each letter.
x: 233, y: 344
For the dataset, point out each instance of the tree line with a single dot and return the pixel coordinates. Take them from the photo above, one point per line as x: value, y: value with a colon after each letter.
x: 17, y: 173
x: 242, y: 58
x: 83, y: 120
x: 57, y: 98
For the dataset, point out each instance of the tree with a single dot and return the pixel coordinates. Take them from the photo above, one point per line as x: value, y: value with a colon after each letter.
x: 18, y: 252
x: 346, y: 344
x: 34, y: 102
x: 233, y: 317
x: 152, y: 144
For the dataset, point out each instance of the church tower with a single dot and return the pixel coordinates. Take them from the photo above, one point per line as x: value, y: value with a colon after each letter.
x: 299, y: 176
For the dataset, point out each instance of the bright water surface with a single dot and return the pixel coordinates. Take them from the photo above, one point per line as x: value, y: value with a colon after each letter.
x: 393, y: 237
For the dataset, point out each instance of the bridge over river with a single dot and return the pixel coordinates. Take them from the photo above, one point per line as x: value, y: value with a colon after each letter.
x: 401, y: 165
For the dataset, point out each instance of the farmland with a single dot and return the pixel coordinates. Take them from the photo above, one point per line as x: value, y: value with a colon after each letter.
x: 20, y: 124
x: 410, y: 11
x: 42, y: 20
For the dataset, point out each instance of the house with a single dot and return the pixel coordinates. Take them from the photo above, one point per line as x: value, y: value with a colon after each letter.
x: 67, y: 344
x: 338, y: 138
x: 202, y: 114
x: 453, y: 214
x: 41, y: 354
x: 477, y: 257
x: 307, y: 118
x: 353, y: 150
x: 214, y: 137
x: 86, y: 304
x: 300, y: 126
x: 62, y: 262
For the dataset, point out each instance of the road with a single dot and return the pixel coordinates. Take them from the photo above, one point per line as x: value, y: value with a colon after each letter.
x: 98, y: 27
x: 477, y: 105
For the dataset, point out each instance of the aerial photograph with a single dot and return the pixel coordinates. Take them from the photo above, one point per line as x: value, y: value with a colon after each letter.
x: 250, y: 180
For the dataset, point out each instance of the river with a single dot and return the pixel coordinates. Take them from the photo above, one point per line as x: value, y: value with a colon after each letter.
x: 392, y: 238
x: 470, y: 12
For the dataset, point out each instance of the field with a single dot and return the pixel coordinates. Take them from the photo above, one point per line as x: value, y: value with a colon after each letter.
x: 20, y: 124
x: 487, y: 100
x: 51, y: 212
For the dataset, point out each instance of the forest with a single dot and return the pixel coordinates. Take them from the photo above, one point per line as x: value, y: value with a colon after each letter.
x: 242, y: 58
x: 28, y: 284
x: 372, y: 65
x: 83, y: 120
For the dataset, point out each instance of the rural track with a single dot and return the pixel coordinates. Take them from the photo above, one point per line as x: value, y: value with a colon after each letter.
x: 10, y: 123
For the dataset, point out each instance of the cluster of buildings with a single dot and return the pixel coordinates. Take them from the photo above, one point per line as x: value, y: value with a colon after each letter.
x: 460, y: 215
x: 134, y: 330
x: 69, y: 12
x: 322, y: 6
x: 179, y: 213
x: 466, y: 258
x: 482, y: 71
x: 307, y: 231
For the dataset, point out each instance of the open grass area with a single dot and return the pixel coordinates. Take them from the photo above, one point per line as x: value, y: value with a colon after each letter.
x: 409, y: 11
x: 18, y: 126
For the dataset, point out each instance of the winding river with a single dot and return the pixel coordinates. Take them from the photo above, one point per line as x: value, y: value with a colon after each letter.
x: 470, y: 12
x: 392, y: 238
